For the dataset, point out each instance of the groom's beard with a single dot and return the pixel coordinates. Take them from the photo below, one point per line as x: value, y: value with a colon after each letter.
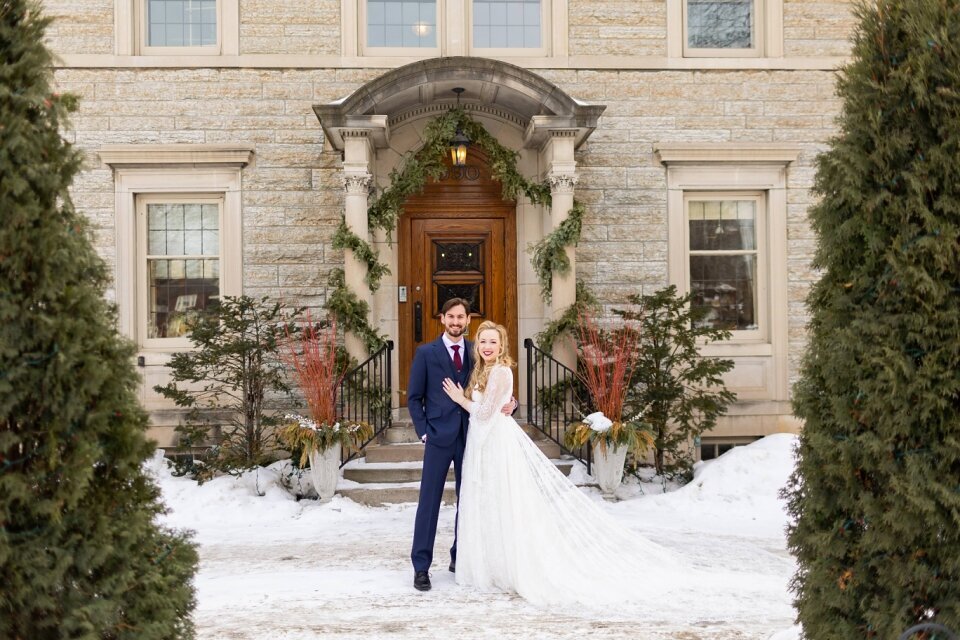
x: 455, y: 332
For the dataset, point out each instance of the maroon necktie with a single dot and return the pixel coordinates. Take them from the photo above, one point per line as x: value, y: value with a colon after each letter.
x: 457, y: 362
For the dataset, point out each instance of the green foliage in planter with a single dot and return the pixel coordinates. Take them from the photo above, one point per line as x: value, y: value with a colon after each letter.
x: 674, y: 389
x: 81, y: 553
x: 632, y: 434
x: 226, y: 379
x: 306, y: 436
x: 875, y: 498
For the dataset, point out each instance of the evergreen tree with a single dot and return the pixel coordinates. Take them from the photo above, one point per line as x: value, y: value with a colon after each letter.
x: 80, y: 554
x: 230, y: 375
x: 876, y: 494
x: 674, y: 389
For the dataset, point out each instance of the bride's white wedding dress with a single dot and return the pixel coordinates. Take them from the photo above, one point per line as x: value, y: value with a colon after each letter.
x: 524, y: 527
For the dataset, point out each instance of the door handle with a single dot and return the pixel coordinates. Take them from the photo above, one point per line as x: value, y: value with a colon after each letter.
x: 418, y: 322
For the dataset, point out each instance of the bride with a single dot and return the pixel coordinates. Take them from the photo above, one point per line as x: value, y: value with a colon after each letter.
x: 523, y: 526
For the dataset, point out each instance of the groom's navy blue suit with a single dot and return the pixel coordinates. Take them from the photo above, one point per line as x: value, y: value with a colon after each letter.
x: 444, y: 423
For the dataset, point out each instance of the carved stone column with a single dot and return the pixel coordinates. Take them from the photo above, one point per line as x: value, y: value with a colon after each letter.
x: 356, y: 183
x: 563, y: 178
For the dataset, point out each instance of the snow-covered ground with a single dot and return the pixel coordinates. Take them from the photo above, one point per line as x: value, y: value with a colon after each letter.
x: 276, y: 568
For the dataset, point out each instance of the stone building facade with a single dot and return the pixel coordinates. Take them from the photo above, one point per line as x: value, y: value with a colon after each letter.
x: 673, y: 121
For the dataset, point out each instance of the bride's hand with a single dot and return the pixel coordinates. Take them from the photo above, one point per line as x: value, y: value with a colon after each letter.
x: 454, y: 390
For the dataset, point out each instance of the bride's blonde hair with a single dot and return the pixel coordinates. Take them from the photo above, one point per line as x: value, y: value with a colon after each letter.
x: 481, y: 370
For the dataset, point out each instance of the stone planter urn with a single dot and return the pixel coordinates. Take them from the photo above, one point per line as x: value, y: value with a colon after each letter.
x: 608, y: 469
x: 325, y: 471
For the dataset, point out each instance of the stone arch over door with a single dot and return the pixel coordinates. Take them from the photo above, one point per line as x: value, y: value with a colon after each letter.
x: 381, y: 122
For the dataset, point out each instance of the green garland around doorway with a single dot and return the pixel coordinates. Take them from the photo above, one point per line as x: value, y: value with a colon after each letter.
x: 548, y: 256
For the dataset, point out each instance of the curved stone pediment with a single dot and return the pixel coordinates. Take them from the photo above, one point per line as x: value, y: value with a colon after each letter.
x: 497, y: 89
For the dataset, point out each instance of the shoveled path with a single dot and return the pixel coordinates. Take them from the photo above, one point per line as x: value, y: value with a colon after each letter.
x: 341, y: 571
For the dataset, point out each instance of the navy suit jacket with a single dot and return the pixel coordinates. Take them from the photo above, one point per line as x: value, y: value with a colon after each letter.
x: 433, y: 413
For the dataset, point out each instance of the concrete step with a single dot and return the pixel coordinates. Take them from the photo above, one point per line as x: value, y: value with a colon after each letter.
x: 383, y: 484
x: 413, y: 452
x: 378, y: 495
x: 400, y: 433
x: 533, y: 432
x: 403, y: 431
x: 401, y: 472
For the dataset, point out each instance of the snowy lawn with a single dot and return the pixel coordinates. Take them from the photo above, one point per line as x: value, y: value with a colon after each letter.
x: 275, y: 568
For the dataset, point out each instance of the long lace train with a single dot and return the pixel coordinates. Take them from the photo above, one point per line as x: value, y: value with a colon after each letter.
x: 524, y: 527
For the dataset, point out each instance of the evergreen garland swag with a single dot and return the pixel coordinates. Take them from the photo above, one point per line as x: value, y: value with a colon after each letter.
x: 351, y: 312
x: 548, y: 256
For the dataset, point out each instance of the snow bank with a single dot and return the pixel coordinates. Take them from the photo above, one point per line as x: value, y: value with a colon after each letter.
x: 754, y: 471
x: 735, y: 494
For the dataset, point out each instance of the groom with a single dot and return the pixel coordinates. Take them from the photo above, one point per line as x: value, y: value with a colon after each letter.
x: 442, y: 427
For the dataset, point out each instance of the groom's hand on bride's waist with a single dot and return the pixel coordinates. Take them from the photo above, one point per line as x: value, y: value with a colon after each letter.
x: 510, y: 407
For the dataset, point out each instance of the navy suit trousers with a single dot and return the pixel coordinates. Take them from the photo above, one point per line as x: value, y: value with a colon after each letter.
x: 436, y: 464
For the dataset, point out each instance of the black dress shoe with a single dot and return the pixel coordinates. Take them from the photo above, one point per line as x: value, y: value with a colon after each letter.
x: 453, y: 566
x: 421, y: 581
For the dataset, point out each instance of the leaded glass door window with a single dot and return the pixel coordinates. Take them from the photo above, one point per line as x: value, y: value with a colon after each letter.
x: 458, y: 273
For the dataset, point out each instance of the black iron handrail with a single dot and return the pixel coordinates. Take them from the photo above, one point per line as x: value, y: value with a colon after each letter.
x: 551, y: 399
x: 365, y: 395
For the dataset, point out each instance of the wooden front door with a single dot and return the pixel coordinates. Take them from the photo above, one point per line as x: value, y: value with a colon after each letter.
x: 456, y: 240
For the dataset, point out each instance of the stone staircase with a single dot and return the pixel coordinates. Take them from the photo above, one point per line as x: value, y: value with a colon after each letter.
x: 391, y: 469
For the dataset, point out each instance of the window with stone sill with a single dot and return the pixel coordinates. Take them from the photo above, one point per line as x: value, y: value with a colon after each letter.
x: 178, y: 27
x: 727, y: 246
x: 427, y: 28
x: 179, y: 239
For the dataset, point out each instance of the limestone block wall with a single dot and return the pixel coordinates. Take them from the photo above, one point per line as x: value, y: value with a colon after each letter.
x: 817, y: 28
x: 618, y: 27
x: 301, y: 27
x: 80, y: 26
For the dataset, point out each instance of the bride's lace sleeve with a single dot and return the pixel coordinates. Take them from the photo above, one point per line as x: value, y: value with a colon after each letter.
x: 498, y: 392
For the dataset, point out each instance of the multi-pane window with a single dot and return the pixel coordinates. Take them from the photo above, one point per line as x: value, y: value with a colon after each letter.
x: 506, y: 24
x: 454, y: 27
x: 402, y: 23
x: 181, y: 263
x: 181, y: 23
x: 725, y: 259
